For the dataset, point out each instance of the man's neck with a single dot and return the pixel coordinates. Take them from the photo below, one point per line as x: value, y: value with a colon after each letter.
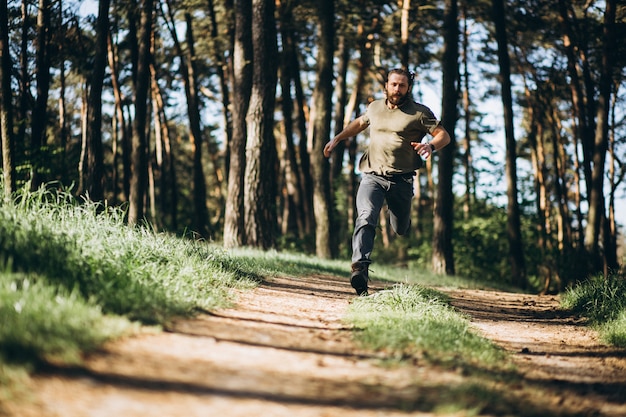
x: 392, y: 106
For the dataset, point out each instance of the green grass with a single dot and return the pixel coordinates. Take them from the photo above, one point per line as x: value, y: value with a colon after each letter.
x: 74, y: 275
x: 603, y: 301
x: 129, y: 271
x: 410, y: 320
x: 43, y: 322
x: 425, y: 277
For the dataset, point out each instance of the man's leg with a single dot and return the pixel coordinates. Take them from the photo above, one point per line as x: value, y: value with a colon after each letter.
x: 399, y: 200
x: 369, y: 201
x: 370, y: 198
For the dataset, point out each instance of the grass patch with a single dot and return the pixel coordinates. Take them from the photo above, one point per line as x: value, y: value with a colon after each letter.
x: 409, y: 319
x: 425, y: 277
x: 603, y: 301
x: 74, y: 275
x: 43, y: 323
x: 130, y: 271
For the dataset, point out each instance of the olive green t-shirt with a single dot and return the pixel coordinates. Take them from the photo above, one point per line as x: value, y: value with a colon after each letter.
x: 391, y: 133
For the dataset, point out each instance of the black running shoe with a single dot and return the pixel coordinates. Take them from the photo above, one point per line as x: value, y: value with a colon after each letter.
x: 359, y: 278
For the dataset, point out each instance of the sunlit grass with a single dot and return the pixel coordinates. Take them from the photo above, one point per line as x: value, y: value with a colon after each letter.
x: 603, y: 301
x: 426, y: 277
x: 42, y: 322
x: 130, y: 271
x: 408, y: 320
x: 75, y: 275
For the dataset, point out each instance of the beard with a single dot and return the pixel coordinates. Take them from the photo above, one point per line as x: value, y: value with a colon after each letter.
x: 397, y: 99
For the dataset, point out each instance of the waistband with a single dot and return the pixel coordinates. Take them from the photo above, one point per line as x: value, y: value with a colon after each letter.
x: 404, y: 176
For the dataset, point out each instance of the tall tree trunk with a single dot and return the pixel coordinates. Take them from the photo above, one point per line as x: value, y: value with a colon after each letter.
x: 560, y: 183
x: 404, y: 33
x: 341, y: 97
x: 84, y: 142
x: 40, y: 111
x: 467, y: 119
x: 353, y: 110
x: 63, y: 119
x: 95, y: 157
x: 514, y: 233
x: 342, y: 218
x: 221, y: 68
x: 201, y: 215
x: 596, y: 198
x: 188, y: 71
x: 303, y: 151
x: 168, y: 201
x: 234, y: 231
x: 294, y: 212
x: 319, y: 133
x: 582, y: 105
x: 6, y: 105
x: 139, y: 154
x: 614, y: 178
x: 25, y: 97
x: 260, y: 179
x: 443, y: 254
x: 120, y: 133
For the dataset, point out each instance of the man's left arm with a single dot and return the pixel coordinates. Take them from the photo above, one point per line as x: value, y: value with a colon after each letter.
x: 440, y: 140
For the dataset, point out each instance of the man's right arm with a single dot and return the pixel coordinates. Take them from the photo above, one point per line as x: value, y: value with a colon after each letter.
x: 354, y: 128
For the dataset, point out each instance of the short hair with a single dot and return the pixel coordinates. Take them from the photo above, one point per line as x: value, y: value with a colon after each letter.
x: 410, y: 75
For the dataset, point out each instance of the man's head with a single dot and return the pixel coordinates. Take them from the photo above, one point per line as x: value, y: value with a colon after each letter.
x: 398, y: 86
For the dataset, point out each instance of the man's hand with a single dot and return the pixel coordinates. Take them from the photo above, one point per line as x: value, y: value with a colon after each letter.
x: 354, y: 128
x: 329, y: 148
x: 424, y: 150
x: 441, y: 139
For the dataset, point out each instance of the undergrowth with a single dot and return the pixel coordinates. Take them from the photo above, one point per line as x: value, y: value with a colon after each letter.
x: 603, y: 301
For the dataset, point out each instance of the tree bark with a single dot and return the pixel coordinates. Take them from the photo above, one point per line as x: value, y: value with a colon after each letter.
x: 443, y: 253
x: 319, y: 133
x: 468, y: 196
x: 514, y: 233
x: 6, y: 105
x: 40, y: 111
x: 404, y: 33
x: 25, y: 85
x: 294, y: 214
x: 95, y: 154
x: 168, y: 198
x: 260, y: 179
x: 234, y: 231
x: 596, y: 196
x: 201, y: 215
x: 221, y: 68
x: 139, y: 154
x: 120, y: 131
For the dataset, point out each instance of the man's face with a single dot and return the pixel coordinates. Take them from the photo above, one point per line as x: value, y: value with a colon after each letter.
x: 397, y: 88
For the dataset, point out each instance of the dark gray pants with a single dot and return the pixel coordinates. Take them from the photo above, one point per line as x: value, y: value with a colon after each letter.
x: 373, y: 191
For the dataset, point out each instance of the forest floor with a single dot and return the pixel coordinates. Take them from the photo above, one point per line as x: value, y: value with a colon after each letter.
x: 285, y: 350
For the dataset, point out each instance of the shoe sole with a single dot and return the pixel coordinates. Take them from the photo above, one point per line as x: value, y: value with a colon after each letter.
x: 359, y: 283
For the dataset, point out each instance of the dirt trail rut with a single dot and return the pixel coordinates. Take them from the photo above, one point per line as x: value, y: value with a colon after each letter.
x: 284, y: 350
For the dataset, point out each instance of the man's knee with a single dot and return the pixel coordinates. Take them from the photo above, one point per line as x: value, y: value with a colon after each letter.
x: 403, y: 231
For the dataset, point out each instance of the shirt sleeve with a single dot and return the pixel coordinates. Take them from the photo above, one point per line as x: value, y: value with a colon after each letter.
x: 366, y: 116
x: 429, y: 121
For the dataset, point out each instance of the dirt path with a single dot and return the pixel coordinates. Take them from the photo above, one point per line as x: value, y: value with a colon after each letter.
x: 285, y: 351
